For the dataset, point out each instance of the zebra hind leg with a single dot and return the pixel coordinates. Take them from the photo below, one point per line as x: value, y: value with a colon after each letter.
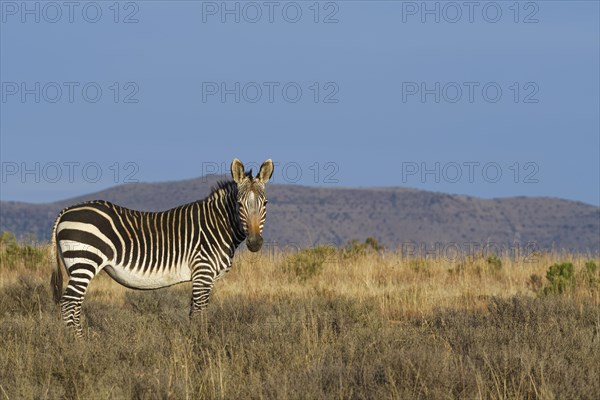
x: 73, y: 298
x: 71, y: 313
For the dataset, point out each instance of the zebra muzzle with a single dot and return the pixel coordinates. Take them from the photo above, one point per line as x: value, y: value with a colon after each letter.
x: 254, y: 242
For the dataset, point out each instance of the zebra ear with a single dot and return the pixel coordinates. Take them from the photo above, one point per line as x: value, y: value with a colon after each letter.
x: 266, y: 171
x: 237, y: 171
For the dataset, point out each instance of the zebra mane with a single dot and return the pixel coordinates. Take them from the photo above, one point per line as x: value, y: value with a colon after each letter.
x: 222, y: 188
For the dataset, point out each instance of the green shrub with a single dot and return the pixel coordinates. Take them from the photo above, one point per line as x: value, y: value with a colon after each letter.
x: 591, y: 274
x: 354, y: 248
x: 308, y: 263
x: 13, y: 253
x: 561, y: 278
x: 494, y: 263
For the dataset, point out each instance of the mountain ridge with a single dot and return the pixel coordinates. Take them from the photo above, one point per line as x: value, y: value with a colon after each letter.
x: 396, y: 216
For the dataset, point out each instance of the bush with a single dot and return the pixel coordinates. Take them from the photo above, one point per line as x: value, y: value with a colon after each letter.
x: 308, y: 263
x: 494, y: 263
x: 591, y: 275
x: 354, y: 248
x: 13, y: 253
x: 561, y: 278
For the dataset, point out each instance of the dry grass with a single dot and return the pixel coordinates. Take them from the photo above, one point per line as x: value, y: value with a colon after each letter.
x: 372, y: 326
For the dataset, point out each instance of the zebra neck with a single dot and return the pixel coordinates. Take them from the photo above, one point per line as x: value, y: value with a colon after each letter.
x: 223, y: 200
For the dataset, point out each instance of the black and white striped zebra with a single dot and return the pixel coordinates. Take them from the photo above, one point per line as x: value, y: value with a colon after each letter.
x: 149, y: 250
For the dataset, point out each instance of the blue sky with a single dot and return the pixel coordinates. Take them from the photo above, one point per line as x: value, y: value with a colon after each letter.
x: 489, y: 101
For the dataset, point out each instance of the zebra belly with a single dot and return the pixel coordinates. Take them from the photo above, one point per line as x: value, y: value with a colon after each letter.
x: 150, y: 280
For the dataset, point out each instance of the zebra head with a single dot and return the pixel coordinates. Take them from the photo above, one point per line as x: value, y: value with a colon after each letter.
x: 252, y: 200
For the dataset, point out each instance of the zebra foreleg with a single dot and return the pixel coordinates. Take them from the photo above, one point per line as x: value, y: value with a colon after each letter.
x: 200, y: 295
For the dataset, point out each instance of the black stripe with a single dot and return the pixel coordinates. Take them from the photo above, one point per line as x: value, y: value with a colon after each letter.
x: 140, y: 234
x: 168, y: 251
x: 87, y: 238
x: 195, y: 222
x: 80, y: 276
x: 83, y: 254
x: 147, y: 232
x: 161, y: 242
x: 79, y: 266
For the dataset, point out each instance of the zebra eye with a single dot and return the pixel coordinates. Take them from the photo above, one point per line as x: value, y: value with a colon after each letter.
x: 266, y: 201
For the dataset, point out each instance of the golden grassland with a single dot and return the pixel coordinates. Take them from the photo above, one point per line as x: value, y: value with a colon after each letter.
x: 322, y: 323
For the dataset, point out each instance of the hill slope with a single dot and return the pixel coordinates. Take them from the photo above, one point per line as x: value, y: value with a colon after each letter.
x: 414, y: 219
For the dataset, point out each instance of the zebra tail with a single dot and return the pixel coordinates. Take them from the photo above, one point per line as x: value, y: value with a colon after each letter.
x: 56, y: 281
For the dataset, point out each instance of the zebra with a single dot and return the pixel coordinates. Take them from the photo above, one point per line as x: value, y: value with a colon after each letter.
x: 150, y: 250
